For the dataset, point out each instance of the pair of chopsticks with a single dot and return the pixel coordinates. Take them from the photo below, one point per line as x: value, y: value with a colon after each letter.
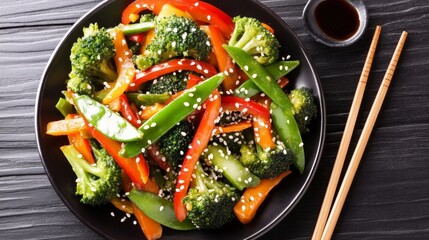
x: 325, y: 225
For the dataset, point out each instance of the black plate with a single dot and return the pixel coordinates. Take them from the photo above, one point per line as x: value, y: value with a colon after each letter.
x: 280, y: 202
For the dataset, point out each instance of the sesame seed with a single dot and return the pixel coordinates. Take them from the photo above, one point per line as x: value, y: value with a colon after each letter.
x: 209, y: 17
x: 254, y: 75
x: 112, y: 214
x: 186, y: 104
x: 161, y: 208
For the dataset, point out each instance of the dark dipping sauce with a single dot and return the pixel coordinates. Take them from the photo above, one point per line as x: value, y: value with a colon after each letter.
x: 338, y: 19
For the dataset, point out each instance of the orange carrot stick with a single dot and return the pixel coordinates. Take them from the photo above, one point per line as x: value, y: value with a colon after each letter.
x: 149, y: 111
x: 65, y: 127
x: 80, y: 143
x: 238, y: 127
x: 123, y: 204
x: 252, y: 198
x: 151, y: 229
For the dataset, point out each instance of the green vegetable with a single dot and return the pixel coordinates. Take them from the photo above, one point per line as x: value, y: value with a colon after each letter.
x: 148, y: 99
x: 96, y: 184
x: 170, y: 83
x: 250, y: 36
x: 266, y: 164
x: 287, y: 128
x: 210, y: 202
x: 105, y: 120
x: 171, y: 114
x: 232, y: 141
x: 174, y: 143
x: 259, y: 76
x: 91, y: 57
x: 135, y: 28
x: 304, y: 107
x: 64, y: 107
x: 231, y: 168
x: 175, y: 37
x: 276, y: 70
x: 159, y: 209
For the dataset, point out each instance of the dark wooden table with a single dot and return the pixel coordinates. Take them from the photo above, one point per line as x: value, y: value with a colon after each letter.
x: 389, y: 198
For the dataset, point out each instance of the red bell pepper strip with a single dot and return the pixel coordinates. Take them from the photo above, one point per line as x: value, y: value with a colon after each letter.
x: 192, y: 81
x: 136, y: 168
x: 246, y: 106
x: 224, y: 61
x: 171, y: 66
x: 138, y: 37
x: 124, y: 65
x: 205, y: 12
x: 128, y: 113
x: 80, y: 143
x: 135, y: 8
x: 199, y: 143
x: 200, y: 11
x: 261, y: 117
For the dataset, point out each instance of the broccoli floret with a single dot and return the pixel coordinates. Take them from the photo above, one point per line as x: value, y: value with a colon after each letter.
x: 99, y: 183
x: 304, y: 106
x: 90, y: 58
x: 266, y: 164
x: 255, y: 39
x: 147, y: 17
x: 232, y: 141
x: 170, y: 83
x: 175, y: 37
x: 174, y: 144
x: 210, y: 202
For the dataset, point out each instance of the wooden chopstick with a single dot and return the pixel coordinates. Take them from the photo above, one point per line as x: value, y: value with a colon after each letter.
x: 362, y: 142
x: 345, y: 140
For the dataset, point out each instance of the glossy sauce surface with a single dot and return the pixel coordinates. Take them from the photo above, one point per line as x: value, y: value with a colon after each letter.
x: 338, y: 19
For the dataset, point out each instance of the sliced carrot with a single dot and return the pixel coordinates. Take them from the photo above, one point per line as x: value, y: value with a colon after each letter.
x: 124, y: 65
x: 252, y: 198
x: 237, y: 127
x: 80, y: 143
x: 65, y: 127
x: 151, y: 229
x: 149, y: 111
x: 123, y: 204
x: 151, y: 186
x: 224, y: 61
x: 268, y: 27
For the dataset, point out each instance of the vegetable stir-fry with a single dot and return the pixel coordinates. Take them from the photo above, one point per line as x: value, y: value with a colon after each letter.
x: 181, y: 115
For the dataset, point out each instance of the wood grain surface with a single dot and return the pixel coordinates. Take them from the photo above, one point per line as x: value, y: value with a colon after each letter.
x: 389, y: 198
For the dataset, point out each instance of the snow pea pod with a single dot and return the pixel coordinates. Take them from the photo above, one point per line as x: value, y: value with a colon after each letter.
x: 259, y: 76
x: 285, y: 125
x: 159, y: 209
x: 105, y: 120
x: 170, y: 115
x: 275, y: 70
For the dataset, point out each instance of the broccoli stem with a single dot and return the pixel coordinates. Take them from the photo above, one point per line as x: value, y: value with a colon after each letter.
x: 136, y: 28
x: 80, y: 165
x: 232, y: 169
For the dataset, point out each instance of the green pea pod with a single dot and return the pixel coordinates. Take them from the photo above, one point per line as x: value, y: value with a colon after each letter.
x: 276, y: 70
x: 170, y: 115
x: 259, y: 76
x: 148, y: 99
x: 285, y: 125
x: 159, y: 209
x: 105, y: 120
